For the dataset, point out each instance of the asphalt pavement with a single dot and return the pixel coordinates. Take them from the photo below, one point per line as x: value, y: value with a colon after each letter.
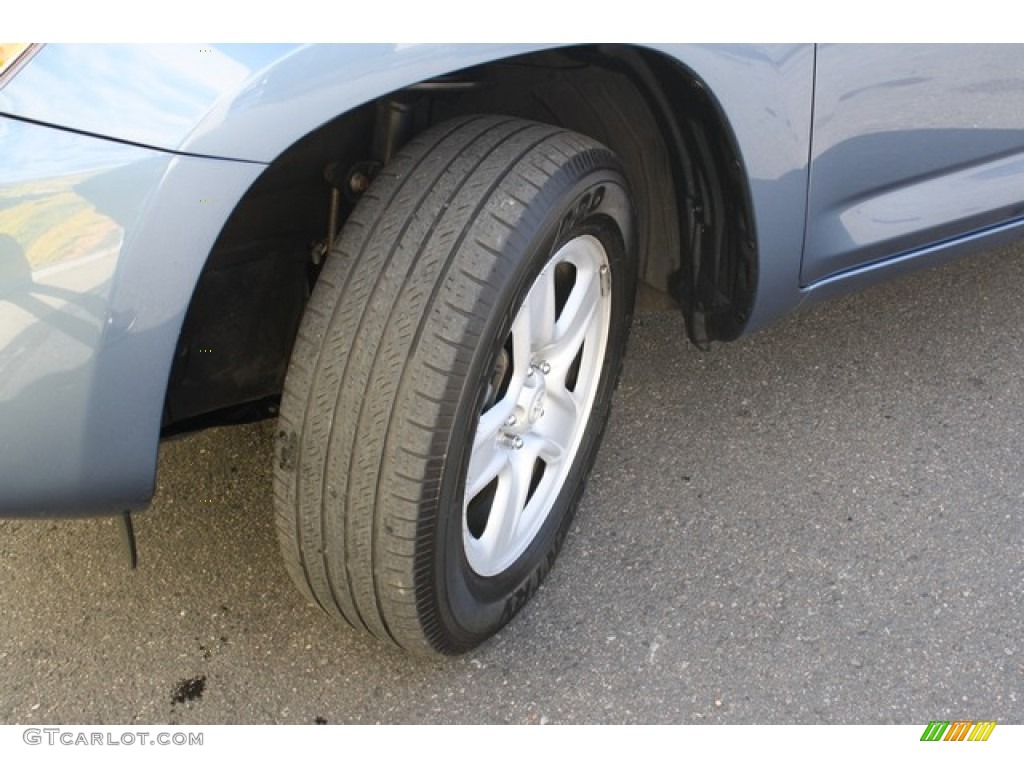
x: 818, y: 524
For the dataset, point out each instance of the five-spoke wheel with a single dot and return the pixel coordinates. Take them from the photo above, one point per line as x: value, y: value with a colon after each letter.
x: 537, y: 410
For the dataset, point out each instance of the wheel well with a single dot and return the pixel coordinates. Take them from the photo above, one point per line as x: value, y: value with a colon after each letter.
x: 695, y: 226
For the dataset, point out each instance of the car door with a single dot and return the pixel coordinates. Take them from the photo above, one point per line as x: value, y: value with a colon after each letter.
x: 913, y: 145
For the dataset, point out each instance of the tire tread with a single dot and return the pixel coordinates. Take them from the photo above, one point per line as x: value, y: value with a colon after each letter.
x: 369, y: 399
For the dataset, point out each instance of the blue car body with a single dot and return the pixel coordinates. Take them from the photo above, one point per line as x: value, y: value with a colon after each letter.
x: 120, y: 166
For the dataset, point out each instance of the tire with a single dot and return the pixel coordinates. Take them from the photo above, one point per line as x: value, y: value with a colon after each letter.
x: 451, y: 379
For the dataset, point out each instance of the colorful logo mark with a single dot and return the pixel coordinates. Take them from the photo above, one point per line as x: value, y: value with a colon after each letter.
x: 958, y: 730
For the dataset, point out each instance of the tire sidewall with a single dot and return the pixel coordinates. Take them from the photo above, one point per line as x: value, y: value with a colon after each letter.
x: 589, y: 196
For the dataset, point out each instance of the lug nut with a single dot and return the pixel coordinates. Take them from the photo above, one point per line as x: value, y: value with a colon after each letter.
x: 512, y: 441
